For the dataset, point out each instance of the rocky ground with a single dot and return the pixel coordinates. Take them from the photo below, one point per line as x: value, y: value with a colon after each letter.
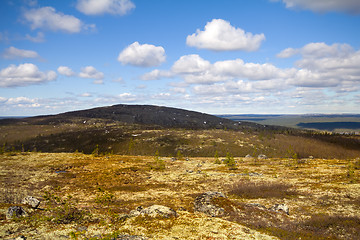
x: 99, y: 197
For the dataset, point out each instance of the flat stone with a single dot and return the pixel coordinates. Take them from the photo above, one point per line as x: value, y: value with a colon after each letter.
x: 31, y: 201
x: 154, y: 211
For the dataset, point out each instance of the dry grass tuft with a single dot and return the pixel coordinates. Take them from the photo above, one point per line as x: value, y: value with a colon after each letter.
x: 336, y: 226
x: 254, y: 190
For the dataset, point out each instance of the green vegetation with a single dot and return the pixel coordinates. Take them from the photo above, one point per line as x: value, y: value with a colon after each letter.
x: 216, y: 156
x: 230, y: 162
x: 179, y: 155
x: 95, y: 153
x: 104, y: 197
x: 62, y: 210
x: 159, y: 163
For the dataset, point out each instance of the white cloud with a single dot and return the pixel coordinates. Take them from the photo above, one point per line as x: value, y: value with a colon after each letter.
x: 119, y: 80
x: 325, y: 65
x: 92, y: 73
x: 99, y: 7
x: 318, y: 50
x: 307, y: 78
x: 219, y: 35
x: 178, y: 90
x: 127, y: 97
x: 156, y: 74
x: 162, y: 96
x: 40, y: 37
x: 287, y: 53
x: 66, y: 71
x: 252, y: 71
x: 347, y: 6
x: 142, y: 55
x: 21, y: 101
x: 98, y: 81
x: 86, y: 94
x: 23, y: 75
x: 12, y: 53
x: 190, y: 64
x: 332, y: 68
x: 229, y: 87
x: 195, y: 70
x: 47, y: 18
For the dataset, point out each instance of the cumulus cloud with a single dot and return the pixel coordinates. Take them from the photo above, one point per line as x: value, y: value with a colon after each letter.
x: 23, y: 102
x: 66, y: 71
x: 23, y: 75
x: 224, y: 88
x: 12, y: 53
x: 40, y: 37
x: 253, y: 71
x: 321, y: 66
x: 99, y: 7
x: 219, y: 35
x: 325, y: 65
x: 318, y: 50
x: 156, y: 74
x: 86, y: 94
x: 287, y: 53
x: 127, y: 97
x: 48, y: 18
x: 92, y: 73
x: 191, y: 64
x: 347, y: 6
x: 142, y: 55
x: 195, y: 70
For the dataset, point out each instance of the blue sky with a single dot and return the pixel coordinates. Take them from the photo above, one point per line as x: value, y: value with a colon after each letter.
x: 229, y: 56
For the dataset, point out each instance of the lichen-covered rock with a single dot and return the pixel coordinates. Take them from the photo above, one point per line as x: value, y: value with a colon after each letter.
x: 20, y: 238
x: 262, y: 156
x: 15, y: 211
x: 280, y: 207
x: 204, y: 203
x: 129, y: 237
x: 31, y: 201
x: 154, y: 211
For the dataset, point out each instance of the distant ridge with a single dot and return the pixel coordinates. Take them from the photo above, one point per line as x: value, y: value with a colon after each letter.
x: 140, y: 114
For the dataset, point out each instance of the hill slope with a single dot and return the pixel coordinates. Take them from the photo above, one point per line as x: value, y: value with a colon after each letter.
x: 138, y: 114
x: 144, y: 130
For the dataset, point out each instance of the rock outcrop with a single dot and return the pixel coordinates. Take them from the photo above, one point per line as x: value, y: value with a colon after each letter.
x: 262, y: 156
x: 15, y: 211
x: 204, y: 203
x: 154, y: 211
x: 31, y: 201
x: 130, y: 237
x: 280, y: 207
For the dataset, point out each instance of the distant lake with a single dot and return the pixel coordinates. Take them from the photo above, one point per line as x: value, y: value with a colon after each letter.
x: 330, y: 126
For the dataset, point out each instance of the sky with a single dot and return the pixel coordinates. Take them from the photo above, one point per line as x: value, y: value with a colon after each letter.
x: 212, y: 56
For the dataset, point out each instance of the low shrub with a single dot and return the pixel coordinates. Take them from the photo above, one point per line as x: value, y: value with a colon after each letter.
x: 335, y: 225
x: 261, y: 190
x: 62, y: 211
